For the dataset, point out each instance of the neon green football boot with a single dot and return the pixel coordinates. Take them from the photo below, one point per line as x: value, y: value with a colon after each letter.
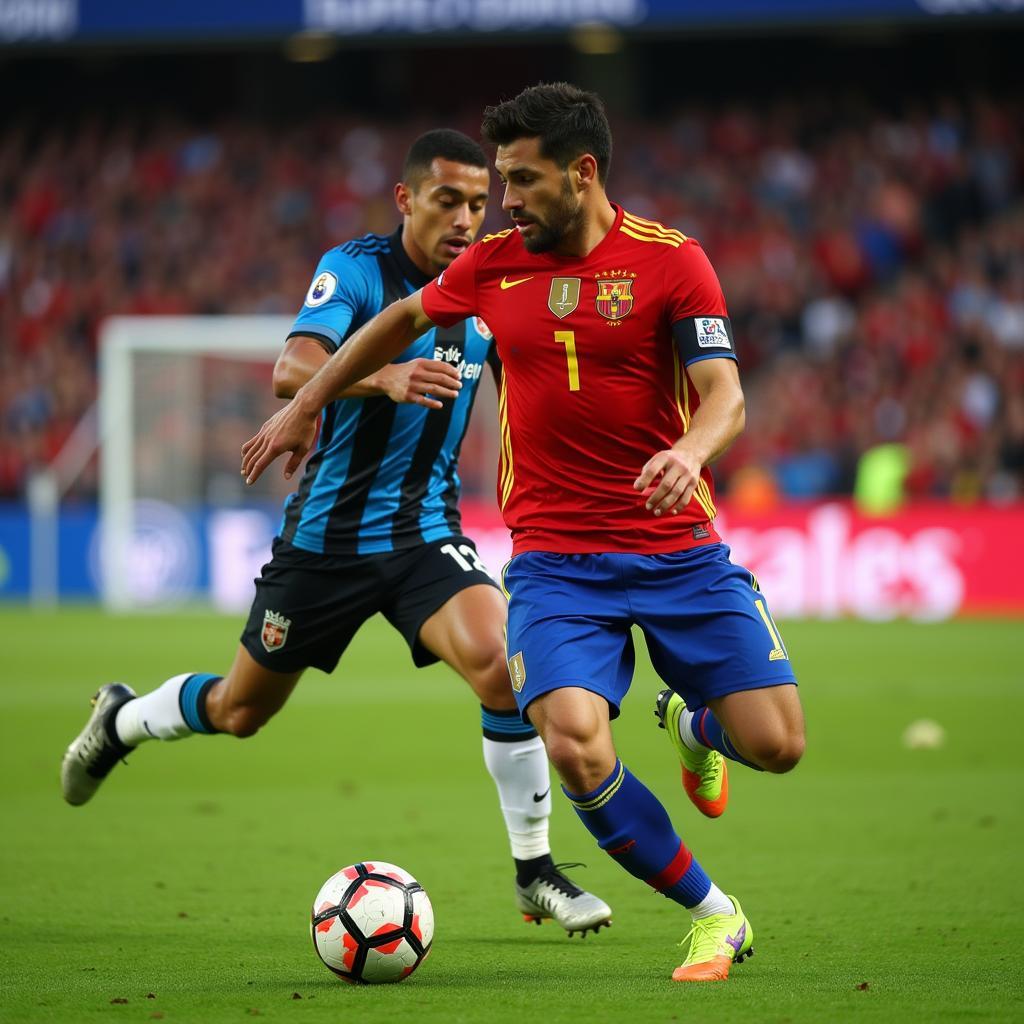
x: 705, y: 776
x: 716, y: 943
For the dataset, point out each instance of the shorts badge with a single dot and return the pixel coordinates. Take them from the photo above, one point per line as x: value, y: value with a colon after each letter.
x: 517, y: 670
x: 614, y: 294
x: 275, y: 631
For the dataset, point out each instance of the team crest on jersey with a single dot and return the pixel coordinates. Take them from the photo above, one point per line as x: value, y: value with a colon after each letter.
x: 275, y: 631
x: 615, y: 294
x: 482, y: 329
x: 321, y: 289
x: 564, y: 296
x: 517, y: 670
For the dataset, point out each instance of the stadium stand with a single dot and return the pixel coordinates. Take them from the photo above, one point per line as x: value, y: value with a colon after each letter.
x: 873, y: 262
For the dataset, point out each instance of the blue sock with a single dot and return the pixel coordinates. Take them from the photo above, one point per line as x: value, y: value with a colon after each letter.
x: 629, y: 824
x: 192, y: 701
x: 709, y: 731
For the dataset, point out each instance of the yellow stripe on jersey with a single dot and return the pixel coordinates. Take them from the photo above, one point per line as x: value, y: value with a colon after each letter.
x: 703, y: 495
x: 702, y: 492
x: 648, y: 231
x: 682, y: 393
x: 650, y: 226
x: 502, y: 434
x: 508, y: 475
x: 648, y: 222
x: 643, y: 238
x: 497, y: 234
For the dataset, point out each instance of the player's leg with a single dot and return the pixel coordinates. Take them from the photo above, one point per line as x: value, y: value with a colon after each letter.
x: 763, y: 727
x: 467, y: 633
x: 631, y: 825
x: 186, y: 704
x: 465, y: 628
x: 571, y: 672
x: 238, y: 703
x: 300, y: 617
x: 720, y: 651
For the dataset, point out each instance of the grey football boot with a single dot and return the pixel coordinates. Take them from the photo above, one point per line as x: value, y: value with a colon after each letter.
x: 96, y: 749
x: 552, y: 895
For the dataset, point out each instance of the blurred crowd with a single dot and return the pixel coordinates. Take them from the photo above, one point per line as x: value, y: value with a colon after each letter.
x: 873, y: 264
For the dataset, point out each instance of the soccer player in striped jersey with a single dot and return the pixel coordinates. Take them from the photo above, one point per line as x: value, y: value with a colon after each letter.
x: 375, y: 527
x: 619, y: 387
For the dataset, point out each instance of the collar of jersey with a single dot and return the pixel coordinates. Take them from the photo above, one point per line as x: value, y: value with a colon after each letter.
x: 410, y: 271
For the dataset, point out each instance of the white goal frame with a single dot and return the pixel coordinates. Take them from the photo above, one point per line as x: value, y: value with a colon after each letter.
x: 122, y: 339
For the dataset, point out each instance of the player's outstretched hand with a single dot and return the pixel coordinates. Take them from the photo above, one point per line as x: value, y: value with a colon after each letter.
x: 291, y: 429
x: 421, y: 382
x: 679, y: 474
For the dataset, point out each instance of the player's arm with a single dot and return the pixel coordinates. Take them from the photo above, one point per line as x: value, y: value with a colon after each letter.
x: 374, y: 345
x: 716, y: 423
x: 304, y: 355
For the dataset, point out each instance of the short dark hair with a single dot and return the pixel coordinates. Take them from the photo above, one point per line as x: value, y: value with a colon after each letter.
x: 568, y: 121
x: 445, y: 143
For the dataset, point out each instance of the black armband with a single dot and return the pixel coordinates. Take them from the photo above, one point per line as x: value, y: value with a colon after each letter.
x: 703, y: 337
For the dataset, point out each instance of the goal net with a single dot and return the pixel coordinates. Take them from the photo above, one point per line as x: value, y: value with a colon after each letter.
x: 178, y: 398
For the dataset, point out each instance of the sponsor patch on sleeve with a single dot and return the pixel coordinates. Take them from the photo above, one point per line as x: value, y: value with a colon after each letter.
x: 711, y: 332
x: 701, y: 336
x: 322, y: 288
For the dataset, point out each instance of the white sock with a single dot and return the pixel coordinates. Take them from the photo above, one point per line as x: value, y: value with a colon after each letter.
x: 520, y: 771
x: 154, y: 716
x: 687, y: 735
x: 716, y: 902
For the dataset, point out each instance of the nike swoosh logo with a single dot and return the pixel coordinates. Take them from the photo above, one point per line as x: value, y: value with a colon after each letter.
x: 506, y: 283
x: 537, y: 797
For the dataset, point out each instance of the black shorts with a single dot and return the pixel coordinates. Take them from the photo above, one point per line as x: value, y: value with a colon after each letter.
x: 309, y: 606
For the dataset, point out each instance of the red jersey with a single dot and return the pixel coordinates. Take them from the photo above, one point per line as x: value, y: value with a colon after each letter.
x: 594, y: 353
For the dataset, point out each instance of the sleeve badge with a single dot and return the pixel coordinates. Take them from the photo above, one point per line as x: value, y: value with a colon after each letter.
x: 322, y: 288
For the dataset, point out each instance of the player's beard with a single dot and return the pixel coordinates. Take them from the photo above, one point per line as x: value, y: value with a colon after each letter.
x: 565, y: 218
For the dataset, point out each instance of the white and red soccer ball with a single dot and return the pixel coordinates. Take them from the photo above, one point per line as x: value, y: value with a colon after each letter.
x: 372, y: 923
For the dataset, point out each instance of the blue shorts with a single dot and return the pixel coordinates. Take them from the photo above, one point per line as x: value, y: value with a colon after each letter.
x: 706, y: 623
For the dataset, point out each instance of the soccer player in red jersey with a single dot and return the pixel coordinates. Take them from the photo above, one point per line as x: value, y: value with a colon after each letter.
x: 619, y: 387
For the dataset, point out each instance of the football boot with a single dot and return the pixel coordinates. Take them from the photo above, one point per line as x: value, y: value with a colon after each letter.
x: 552, y: 895
x: 96, y: 749
x: 705, y: 776
x: 716, y: 943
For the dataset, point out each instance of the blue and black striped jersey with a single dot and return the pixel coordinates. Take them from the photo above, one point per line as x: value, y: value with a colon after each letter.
x: 384, y: 476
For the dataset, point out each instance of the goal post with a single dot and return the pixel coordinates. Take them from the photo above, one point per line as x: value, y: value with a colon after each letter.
x: 176, y: 394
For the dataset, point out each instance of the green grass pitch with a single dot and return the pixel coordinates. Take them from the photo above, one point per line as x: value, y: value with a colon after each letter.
x: 883, y: 884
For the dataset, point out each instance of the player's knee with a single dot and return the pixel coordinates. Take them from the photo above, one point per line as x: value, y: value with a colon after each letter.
x: 243, y: 720
x: 564, y: 751
x: 780, y: 754
x: 578, y: 759
x: 490, y: 680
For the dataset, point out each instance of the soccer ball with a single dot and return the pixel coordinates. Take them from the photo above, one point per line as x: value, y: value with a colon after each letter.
x: 371, y: 923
